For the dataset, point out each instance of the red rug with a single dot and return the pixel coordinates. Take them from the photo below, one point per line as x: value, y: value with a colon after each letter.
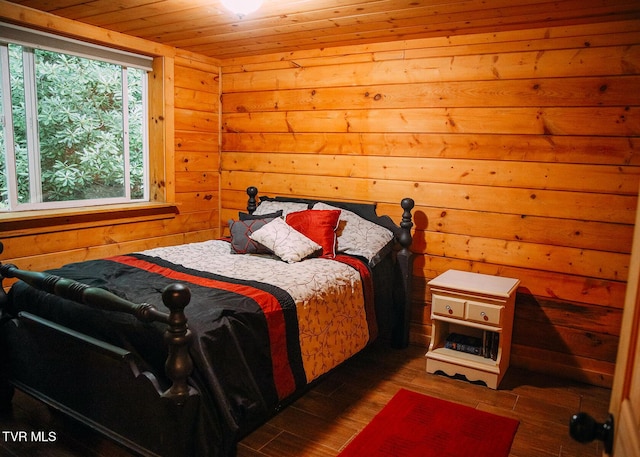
x: 415, y: 425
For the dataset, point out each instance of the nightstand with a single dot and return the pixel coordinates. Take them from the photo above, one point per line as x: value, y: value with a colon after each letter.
x: 472, y: 323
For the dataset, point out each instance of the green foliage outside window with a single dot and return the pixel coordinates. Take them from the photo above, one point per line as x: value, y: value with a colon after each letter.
x: 80, y: 128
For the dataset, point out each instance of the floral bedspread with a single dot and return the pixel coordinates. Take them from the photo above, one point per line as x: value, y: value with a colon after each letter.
x: 328, y: 295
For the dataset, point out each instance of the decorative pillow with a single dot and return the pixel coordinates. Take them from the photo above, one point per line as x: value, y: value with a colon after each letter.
x: 285, y: 242
x: 248, y: 217
x: 319, y: 226
x: 241, y: 243
x: 360, y: 237
x: 271, y: 206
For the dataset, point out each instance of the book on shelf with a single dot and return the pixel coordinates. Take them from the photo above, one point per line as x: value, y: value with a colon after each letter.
x: 464, y: 343
x: 495, y: 337
x: 487, y: 346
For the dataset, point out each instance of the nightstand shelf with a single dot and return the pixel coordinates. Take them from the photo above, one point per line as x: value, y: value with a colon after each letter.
x: 477, y: 307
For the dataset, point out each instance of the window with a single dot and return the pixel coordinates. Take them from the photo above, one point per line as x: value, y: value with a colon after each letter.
x: 74, y: 123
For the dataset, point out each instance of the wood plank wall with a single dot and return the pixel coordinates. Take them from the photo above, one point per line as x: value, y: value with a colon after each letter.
x: 197, y: 146
x: 520, y: 149
x: 187, y: 144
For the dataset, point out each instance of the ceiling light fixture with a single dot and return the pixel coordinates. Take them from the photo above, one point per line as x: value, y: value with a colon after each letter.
x: 242, y: 7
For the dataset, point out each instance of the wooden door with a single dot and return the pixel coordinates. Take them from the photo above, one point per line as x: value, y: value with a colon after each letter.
x: 625, y: 394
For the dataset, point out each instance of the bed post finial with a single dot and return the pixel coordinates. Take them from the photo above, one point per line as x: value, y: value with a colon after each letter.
x: 178, y: 337
x: 251, y: 203
x: 405, y: 239
x: 405, y: 263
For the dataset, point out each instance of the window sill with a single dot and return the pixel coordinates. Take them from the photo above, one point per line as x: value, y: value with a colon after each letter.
x: 31, y: 222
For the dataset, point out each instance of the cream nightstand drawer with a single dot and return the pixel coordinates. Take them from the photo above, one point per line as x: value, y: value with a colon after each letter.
x: 447, y: 306
x: 484, y: 313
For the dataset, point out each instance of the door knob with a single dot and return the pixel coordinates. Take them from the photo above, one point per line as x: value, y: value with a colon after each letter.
x: 583, y: 428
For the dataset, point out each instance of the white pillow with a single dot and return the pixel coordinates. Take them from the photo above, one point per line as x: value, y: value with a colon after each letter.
x: 271, y: 206
x: 285, y: 242
x: 360, y: 237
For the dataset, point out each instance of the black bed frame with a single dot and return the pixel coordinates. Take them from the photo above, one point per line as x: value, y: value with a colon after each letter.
x: 98, y: 383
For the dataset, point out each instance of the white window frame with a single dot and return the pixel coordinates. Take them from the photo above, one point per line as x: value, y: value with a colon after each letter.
x: 31, y: 40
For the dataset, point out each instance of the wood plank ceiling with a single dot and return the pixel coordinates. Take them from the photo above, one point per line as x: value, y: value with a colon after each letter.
x: 206, y: 27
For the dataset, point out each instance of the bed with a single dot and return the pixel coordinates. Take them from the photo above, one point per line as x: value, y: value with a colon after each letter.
x: 184, y: 350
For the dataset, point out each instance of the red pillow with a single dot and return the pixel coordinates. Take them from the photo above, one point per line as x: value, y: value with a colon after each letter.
x: 319, y: 226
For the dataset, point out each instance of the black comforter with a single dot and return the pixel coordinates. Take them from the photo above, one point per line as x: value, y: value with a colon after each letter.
x: 245, y: 350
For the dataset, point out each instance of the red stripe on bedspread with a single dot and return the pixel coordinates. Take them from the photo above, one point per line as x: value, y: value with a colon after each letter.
x: 283, y: 376
x: 367, y: 288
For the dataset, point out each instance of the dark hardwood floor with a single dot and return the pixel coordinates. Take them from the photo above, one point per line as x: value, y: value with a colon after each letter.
x: 327, y: 417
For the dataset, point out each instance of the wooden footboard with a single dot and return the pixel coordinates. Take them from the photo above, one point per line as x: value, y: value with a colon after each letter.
x: 103, y: 388
x: 97, y: 383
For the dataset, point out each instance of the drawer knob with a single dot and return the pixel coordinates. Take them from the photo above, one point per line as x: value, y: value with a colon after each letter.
x: 448, y: 308
x: 484, y: 316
